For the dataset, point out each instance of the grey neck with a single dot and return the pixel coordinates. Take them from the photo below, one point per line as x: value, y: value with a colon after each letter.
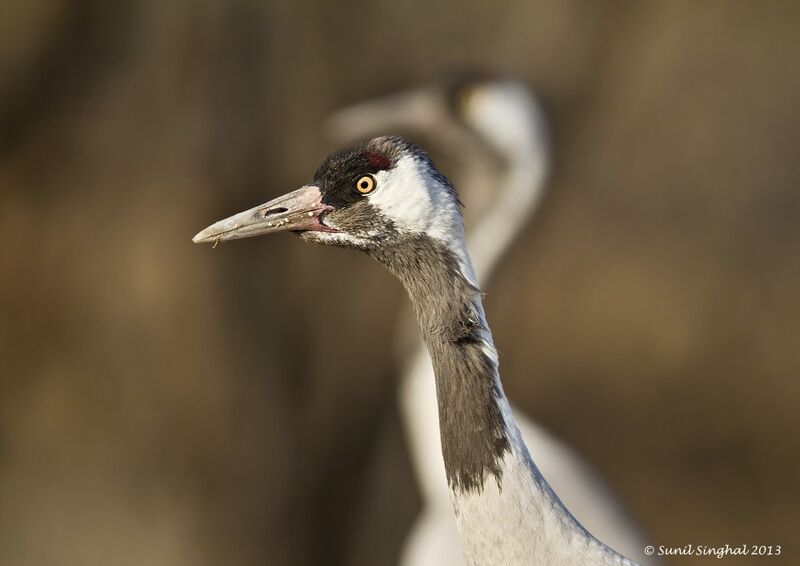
x: 477, y: 434
x: 448, y: 309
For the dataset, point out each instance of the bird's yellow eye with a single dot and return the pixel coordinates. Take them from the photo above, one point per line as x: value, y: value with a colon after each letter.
x: 365, y: 184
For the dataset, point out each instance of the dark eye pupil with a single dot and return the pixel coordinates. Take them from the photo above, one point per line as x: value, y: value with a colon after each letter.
x: 364, y: 184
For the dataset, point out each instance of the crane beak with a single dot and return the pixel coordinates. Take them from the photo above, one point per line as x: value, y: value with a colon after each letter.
x: 298, y: 211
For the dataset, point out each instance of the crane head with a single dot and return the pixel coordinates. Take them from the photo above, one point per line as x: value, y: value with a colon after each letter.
x: 364, y: 196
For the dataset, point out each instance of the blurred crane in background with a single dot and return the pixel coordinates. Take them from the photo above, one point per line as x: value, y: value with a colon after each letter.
x: 497, y: 130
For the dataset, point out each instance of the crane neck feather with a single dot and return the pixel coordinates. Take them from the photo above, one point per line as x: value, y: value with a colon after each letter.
x: 447, y: 304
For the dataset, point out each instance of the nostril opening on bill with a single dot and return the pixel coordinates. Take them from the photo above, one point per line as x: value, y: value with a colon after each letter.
x: 274, y: 211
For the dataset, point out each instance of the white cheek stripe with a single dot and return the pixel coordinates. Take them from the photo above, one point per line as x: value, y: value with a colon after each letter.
x: 416, y: 202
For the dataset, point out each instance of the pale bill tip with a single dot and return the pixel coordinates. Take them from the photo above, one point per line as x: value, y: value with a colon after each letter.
x: 204, y: 236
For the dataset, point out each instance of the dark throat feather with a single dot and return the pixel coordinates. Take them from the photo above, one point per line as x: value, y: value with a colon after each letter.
x: 473, y: 432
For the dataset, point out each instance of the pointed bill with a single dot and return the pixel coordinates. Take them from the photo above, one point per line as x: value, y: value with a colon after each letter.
x: 298, y: 211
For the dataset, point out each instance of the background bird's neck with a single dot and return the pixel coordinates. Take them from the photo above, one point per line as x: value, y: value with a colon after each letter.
x: 522, y: 189
x: 448, y: 308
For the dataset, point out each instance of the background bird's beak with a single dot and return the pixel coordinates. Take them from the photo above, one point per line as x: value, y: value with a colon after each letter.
x: 409, y: 110
x: 297, y: 211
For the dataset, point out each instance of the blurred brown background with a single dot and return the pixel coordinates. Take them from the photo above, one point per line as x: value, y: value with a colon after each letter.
x: 166, y: 404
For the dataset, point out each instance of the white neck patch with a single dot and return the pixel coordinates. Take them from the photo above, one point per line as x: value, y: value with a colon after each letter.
x: 416, y: 201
